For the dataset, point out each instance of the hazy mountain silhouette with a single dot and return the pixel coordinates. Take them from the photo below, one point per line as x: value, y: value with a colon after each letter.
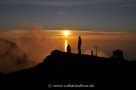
x: 64, y: 68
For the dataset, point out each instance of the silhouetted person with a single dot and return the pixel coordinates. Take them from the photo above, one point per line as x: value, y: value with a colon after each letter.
x: 68, y: 49
x: 96, y: 50
x: 118, y: 54
x: 92, y: 53
x: 79, y: 45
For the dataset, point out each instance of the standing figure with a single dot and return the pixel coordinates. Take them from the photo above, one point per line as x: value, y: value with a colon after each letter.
x: 92, y: 53
x: 69, y: 49
x: 79, y: 45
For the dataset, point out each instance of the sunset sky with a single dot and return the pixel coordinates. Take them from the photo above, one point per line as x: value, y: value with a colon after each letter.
x: 107, y: 15
x: 37, y: 27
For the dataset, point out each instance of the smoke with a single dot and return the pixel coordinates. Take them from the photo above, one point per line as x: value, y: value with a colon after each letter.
x: 31, y: 46
x: 99, y: 53
x: 36, y: 43
x: 21, y: 24
x: 12, y: 58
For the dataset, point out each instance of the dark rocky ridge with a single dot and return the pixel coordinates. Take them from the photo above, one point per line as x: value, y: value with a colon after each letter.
x: 63, y: 68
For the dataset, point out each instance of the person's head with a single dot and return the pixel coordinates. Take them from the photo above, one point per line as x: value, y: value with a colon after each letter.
x: 79, y: 37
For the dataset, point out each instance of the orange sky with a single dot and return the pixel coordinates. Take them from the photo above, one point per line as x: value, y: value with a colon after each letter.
x: 46, y: 40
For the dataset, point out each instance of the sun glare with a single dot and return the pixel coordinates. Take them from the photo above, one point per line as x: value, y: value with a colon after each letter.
x: 66, y: 33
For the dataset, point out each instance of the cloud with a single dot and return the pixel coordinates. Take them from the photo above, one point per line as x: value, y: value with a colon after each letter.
x: 71, y: 2
x: 48, y: 2
x: 12, y: 58
x: 99, y: 53
x: 34, y: 42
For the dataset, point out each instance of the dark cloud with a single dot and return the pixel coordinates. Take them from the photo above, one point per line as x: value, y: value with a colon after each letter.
x: 70, y: 2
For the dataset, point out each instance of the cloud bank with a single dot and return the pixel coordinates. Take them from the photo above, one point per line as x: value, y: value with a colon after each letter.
x: 70, y: 2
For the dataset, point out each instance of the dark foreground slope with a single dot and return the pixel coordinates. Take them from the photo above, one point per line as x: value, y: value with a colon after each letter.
x: 61, y: 68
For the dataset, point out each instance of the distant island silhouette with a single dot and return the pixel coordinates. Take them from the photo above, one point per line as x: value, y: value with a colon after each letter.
x: 70, y: 68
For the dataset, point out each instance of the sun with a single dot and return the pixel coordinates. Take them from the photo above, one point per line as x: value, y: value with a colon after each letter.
x: 66, y: 33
